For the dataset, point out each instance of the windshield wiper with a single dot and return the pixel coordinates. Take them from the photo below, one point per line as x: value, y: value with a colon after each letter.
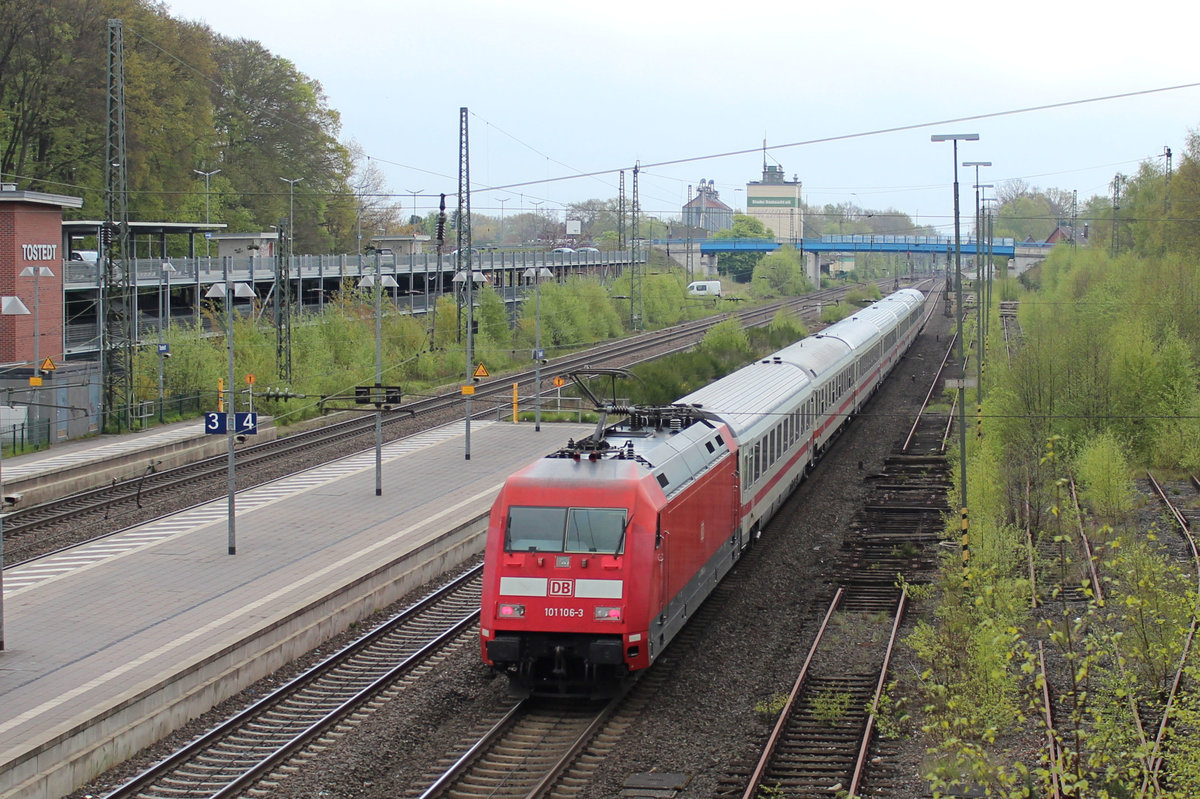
x: 621, y: 540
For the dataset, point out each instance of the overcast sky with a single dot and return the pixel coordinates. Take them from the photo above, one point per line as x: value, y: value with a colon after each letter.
x: 557, y: 88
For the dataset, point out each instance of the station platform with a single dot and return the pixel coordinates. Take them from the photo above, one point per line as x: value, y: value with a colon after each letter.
x: 34, y: 478
x: 113, y: 644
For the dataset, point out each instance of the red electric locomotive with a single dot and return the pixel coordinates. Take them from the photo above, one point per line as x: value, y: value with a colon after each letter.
x: 597, y: 554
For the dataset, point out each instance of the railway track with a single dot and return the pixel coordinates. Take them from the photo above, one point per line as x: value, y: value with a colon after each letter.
x: 1010, y: 326
x: 824, y: 733
x: 216, y: 772
x: 1181, y: 499
x: 537, y: 750
x: 499, y: 763
x: 242, y: 753
x: 38, y: 530
x: 524, y: 752
x: 1186, y: 512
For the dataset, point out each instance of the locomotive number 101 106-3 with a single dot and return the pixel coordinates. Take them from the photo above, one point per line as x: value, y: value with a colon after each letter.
x: 570, y: 613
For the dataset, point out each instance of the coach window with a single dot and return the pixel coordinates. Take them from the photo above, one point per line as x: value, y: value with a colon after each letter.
x: 596, y: 530
x: 535, y: 529
x: 532, y: 529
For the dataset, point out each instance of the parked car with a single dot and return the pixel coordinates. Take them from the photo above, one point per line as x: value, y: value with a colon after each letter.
x: 563, y: 250
x: 88, y: 256
x: 587, y: 250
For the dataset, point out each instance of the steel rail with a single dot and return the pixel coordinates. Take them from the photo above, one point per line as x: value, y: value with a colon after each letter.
x: 1156, y: 757
x: 1055, y: 755
x: 326, y: 669
x: 785, y: 713
x: 912, y: 432
x: 518, y: 722
x: 543, y: 787
x: 860, y: 763
x: 1098, y: 591
x: 476, y: 749
x: 1085, y: 542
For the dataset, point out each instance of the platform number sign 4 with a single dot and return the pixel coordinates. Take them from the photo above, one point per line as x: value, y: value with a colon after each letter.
x: 245, y: 424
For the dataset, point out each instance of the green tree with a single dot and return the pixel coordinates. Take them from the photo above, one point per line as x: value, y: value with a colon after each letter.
x: 493, y: 317
x: 1026, y: 217
x: 272, y: 122
x: 1103, y: 472
x: 740, y: 266
x: 779, y: 274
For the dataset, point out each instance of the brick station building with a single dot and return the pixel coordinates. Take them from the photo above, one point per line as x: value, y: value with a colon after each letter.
x: 31, y: 241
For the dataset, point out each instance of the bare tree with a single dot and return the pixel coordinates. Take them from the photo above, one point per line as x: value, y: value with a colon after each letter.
x: 376, y: 210
x: 1012, y: 190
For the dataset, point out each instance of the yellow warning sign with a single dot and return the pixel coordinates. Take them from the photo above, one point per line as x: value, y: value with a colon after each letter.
x: 559, y: 382
x: 468, y: 390
x: 35, y: 381
x: 249, y: 380
x: 48, y: 365
x: 480, y: 371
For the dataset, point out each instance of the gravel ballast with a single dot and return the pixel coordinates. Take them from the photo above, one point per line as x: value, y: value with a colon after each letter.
x: 705, y: 721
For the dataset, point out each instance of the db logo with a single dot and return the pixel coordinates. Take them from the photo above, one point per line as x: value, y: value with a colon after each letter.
x: 562, y: 588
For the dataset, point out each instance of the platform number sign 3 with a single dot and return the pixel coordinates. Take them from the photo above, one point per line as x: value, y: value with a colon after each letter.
x: 244, y: 424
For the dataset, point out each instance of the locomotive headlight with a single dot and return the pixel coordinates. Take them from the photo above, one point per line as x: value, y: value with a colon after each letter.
x: 608, y: 614
x: 508, y: 610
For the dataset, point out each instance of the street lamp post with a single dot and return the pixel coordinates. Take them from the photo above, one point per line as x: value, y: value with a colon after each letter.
x: 463, y: 291
x: 229, y: 291
x: 512, y: 278
x: 164, y: 314
x: 207, y: 220
x: 283, y: 286
x: 358, y: 229
x: 987, y: 203
x: 539, y: 355
x: 980, y: 309
x: 414, y: 194
x: 978, y: 279
x: 37, y: 272
x: 537, y: 215
x: 962, y: 421
x: 291, y: 218
x: 377, y: 283
x: 9, y: 306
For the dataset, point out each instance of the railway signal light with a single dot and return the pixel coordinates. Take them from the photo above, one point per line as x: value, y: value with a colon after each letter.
x: 279, y: 393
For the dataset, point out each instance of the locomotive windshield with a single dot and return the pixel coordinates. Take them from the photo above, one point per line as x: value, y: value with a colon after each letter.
x: 532, y: 529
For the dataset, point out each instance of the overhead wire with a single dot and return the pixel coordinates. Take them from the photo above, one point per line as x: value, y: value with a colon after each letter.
x: 764, y: 148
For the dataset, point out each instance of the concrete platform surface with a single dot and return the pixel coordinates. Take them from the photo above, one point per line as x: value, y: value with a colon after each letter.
x: 113, y: 644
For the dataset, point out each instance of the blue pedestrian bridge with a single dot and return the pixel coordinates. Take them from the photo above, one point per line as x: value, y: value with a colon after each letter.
x: 864, y: 243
